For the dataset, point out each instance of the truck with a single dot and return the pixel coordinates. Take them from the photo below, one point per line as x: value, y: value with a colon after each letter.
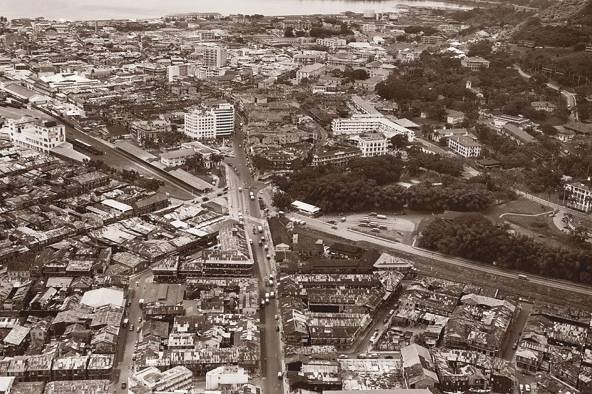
x: 260, y: 229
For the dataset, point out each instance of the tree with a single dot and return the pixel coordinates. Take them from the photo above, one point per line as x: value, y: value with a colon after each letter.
x: 474, y: 237
x: 358, y: 74
x: 282, y: 200
x: 480, y: 48
x: 196, y: 164
x: 399, y: 141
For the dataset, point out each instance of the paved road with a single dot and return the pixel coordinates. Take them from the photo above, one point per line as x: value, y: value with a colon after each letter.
x: 513, y: 335
x: 569, y: 96
x: 134, y: 312
x: 528, y: 215
x: 344, y: 232
x: 239, y: 175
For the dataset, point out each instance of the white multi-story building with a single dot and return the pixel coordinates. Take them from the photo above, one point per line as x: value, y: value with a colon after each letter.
x: 464, y: 146
x: 214, y: 56
x: 226, y: 376
x: 332, y: 42
x: 217, y: 121
x: 578, y: 196
x: 372, y: 144
x: 224, y: 119
x: 369, y: 123
x: 37, y: 134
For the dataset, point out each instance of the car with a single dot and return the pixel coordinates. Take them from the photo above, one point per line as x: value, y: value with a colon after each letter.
x: 375, y: 230
x: 276, y: 317
x: 138, y: 329
x: 334, y: 227
x: 331, y: 221
x: 280, y: 375
x: 277, y: 328
x: 527, y: 388
x: 123, y: 385
x: 262, y: 302
x: 131, y: 327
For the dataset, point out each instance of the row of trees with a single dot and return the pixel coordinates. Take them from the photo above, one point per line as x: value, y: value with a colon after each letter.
x: 345, y: 193
x: 368, y: 184
x: 474, y: 237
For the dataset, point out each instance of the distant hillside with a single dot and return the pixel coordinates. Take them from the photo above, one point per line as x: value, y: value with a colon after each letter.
x: 565, y: 24
x: 568, y: 10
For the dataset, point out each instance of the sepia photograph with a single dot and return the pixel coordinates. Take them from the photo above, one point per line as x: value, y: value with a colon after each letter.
x: 296, y: 197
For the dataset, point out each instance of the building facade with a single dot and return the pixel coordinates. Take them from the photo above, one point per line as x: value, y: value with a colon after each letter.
x: 211, y: 123
x: 372, y: 144
x: 578, y: 196
x: 214, y: 56
x: 36, y: 134
x: 464, y: 146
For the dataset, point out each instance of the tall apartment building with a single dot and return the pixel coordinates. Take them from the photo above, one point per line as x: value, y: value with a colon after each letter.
x: 217, y: 121
x: 578, y: 196
x: 214, y: 56
x: 37, y: 134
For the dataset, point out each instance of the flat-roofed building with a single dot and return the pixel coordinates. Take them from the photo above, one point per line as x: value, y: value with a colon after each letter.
x: 464, y: 146
x: 210, y: 123
x: 37, y: 134
x: 578, y: 196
